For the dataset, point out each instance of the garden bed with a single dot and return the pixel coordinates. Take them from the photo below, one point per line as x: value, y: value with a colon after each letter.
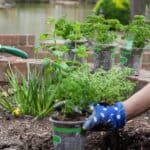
x: 26, y: 134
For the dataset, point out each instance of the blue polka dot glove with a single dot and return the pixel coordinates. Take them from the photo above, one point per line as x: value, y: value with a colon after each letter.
x: 112, y: 117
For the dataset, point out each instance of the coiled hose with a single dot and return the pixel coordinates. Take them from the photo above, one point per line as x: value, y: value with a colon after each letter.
x: 13, y: 51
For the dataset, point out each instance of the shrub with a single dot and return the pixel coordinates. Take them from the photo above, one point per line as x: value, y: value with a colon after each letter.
x: 114, y: 9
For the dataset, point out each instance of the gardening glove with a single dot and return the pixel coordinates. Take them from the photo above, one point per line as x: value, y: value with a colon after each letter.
x: 112, y: 117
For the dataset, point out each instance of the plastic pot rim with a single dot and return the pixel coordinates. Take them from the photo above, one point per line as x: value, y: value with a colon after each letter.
x: 134, y: 48
x: 66, y: 122
x: 108, y: 45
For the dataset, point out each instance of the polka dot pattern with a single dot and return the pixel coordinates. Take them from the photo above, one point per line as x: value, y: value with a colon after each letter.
x: 112, y: 115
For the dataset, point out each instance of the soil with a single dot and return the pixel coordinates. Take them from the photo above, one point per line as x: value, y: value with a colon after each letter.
x: 24, y: 133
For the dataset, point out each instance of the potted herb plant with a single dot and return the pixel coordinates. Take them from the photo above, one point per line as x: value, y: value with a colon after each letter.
x: 137, y: 35
x: 75, y: 93
x: 71, y: 32
x: 101, y: 35
x: 73, y: 47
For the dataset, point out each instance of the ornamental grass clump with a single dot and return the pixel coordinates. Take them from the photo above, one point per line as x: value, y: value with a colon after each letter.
x: 33, y: 96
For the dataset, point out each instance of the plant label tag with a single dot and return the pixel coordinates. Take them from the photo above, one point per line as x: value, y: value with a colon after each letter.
x: 129, y: 45
x: 56, y: 139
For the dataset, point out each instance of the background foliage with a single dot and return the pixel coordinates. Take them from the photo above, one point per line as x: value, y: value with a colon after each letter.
x: 114, y: 9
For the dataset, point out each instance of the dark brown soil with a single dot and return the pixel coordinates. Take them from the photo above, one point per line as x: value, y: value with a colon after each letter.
x: 26, y: 134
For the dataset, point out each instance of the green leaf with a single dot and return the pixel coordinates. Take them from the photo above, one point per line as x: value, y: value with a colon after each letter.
x: 64, y: 65
x: 123, y: 60
x: 81, y: 51
x: 43, y: 36
x: 58, y: 53
x: 46, y: 62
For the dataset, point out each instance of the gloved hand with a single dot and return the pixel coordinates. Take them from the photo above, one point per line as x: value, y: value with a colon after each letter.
x: 112, y: 117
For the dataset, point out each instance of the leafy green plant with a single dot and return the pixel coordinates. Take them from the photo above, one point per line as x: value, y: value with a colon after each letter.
x: 100, y: 31
x: 64, y: 29
x: 76, y: 90
x: 82, y: 88
x: 103, y: 34
x: 114, y: 24
x: 138, y: 31
x: 68, y: 29
x: 70, y: 32
x: 114, y: 85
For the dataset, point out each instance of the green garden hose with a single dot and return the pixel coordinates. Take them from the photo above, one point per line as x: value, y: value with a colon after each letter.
x: 13, y: 51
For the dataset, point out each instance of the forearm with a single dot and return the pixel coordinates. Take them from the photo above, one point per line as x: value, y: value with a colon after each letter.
x: 138, y: 103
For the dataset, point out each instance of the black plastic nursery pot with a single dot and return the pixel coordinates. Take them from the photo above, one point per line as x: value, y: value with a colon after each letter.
x: 68, y: 135
x: 132, y: 58
x: 73, y: 57
x: 71, y: 54
x: 104, y: 58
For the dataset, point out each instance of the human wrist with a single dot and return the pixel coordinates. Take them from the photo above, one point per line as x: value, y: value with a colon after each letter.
x: 129, y: 109
x: 120, y: 115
